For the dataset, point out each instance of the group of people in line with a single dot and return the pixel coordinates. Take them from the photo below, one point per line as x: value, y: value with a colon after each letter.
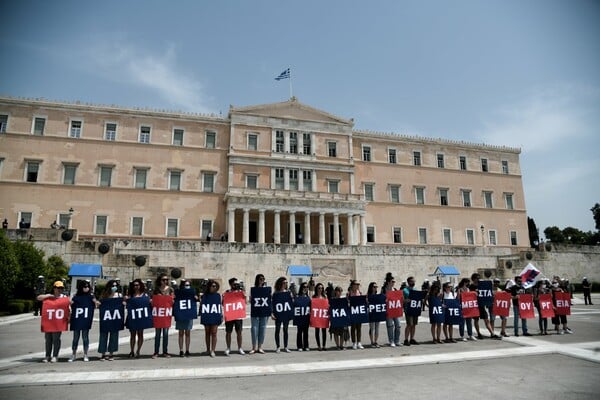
x: 343, y: 337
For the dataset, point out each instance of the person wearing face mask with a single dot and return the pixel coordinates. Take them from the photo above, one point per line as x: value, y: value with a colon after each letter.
x: 184, y: 327
x: 496, y: 288
x: 559, y: 319
x: 82, y: 306
x: 136, y: 289
x: 515, y: 291
x: 302, y: 324
x: 540, y: 288
x: 109, y: 340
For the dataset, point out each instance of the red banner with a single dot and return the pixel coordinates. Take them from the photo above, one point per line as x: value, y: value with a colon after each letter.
x: 501, y: 307
x: 55, y: 314
x: 546, y: 306
x: 234, y: 305
x: 526, y: 306
x: 162, y: 310
x: 394, y: 300
x: 563, y: 303
x: 468, y: 301
x: 319, y: 313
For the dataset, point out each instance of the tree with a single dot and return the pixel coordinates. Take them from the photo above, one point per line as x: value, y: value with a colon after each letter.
x: 31, y: 260
x: 574, y: 235
x: 596, y: 211
x: 56, y: 269
x: 9, y: 269
x: 554, y: 234
x: 534, y: 236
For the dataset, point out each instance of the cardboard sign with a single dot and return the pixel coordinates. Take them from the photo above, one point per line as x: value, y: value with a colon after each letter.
x: 526, y: 306
x: 112, y: 314
x: 260, y: 298
x: 377, y: 307
x: 415, y: 303
x: 211, y: 310
x: 139, y: 313
x: 55, y: 314
x: 162, y: 310
x: 394, y: 303
x: 282, y: 306
x: 82, y: 312
x: 485, y: 295
x: 563, y: 303
x: 546, y: 307
x: 436, y: 311
x: 185, y: 305
x: 319, y: 313
x: 359, y: 310
x: 452, y: 312
x: 339, y: 313
x: 468, y: 302
x: 234, y: 305
x: 302, y: 311
x: 501, y: 307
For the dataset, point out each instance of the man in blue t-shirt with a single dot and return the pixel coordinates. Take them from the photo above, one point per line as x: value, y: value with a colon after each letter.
x: 411, y: 322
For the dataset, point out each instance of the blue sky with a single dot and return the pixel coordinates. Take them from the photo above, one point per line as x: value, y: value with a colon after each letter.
x: 510, y: 72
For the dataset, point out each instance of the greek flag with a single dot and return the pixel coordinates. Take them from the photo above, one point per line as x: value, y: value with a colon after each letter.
x: 284, y: 75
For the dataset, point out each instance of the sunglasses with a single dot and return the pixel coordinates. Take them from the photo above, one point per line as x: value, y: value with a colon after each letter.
x: 165, y: 280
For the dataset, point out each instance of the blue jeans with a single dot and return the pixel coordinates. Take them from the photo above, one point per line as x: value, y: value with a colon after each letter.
x: 461, y: 327
x: 85, y: 335
x: 109, y: 341
x: 165, y: 334
x: 516, y: 321
x: 393, y: 330
x: 258, y: 326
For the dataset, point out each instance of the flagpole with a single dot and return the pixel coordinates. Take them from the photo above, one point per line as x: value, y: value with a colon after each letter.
x: 291, y: 93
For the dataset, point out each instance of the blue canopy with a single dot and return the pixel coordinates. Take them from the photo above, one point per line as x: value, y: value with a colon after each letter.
x: 444, y: 270
x: 299, y: 270
x: 92, y: 270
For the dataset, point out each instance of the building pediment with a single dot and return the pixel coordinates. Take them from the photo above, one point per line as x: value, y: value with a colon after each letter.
x: 291, y: 109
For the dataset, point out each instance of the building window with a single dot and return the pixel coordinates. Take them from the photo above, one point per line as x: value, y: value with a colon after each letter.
x: 484, y: 165
x: 3, y: 123
x: 294, y: 142
x: 39, y: 124
x: 462, y: 163
x: 470, y: 236
x: 447, y: 234
x: 205, y: 228
x: 332, y: 149
x: 251, y: 181
x: 208, y: 182
x: 466, y: 198
x: 279, y: 178
x: 443, y: 197
x: 370, y: 234
x: 369, y: 192
x: 175, y: 180
x: 110, y: 131
x: 75, y: 130
x: 63, y: 220
x: 25, y: 217
x: 172, y: 227
x: 487, y: 198
x: 307, y: 143
x: 333, y: 186
x: 422, y: 235
x: 395, y: 193
x: 504, y: 167
x: 397, y: 234
x: 416, y: 158
x: 307, y: 180
x: 513, y: 238
x: 420, y: 195
x: 137, y: 226
x: 366, y: 153
x: 145, y: 134
x: 69, y: 171
x: 33, y: 169
x: 101, y: 222
x: 440, y: 161
x: 508, y: 197
x: 252, y: 141
x: 392, y: 156
x: 492, y: 238
x: 105, y: 175
x: 293, y: 179
x: 279, y: 142
x: 177, y: 137
x: 140, y: 178
x: 211, y: 140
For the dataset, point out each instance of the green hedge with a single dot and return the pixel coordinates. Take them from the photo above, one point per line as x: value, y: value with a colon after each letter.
x: 19, y: 306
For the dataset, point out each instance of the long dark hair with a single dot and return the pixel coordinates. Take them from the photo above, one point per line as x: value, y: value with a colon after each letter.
x: 279, y: 283
x: 316, y: 295
x: 209, y: 285
x: 141, y: 286
x: 80, y: 286
x: 257, y: 279
x: 372, y: 288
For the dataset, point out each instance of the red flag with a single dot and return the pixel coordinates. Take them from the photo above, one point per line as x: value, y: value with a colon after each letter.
x: 162, y: 310
x: 546, y: 306
x: 234, y: 305
x: 526, y: 306
x: 55, y: 314
x: 394, y: 300
x: 501, y: 306
x: 319, y: 313
x: 468, y: 301
x: 563, y: 303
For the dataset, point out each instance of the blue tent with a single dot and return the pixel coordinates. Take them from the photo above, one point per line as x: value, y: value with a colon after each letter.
x: 299, y: 270
x: 87, y: 270
x: 445, y: 270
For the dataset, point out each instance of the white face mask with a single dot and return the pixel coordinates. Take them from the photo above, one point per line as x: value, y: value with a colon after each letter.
x: 114, y: 289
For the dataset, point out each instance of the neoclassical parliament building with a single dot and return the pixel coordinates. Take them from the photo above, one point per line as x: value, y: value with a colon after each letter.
x: 275, y: 173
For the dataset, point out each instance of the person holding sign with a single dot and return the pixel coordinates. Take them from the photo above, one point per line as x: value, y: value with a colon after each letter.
x: 137, y: 290
x: 463, y: 287
x: 376, y: 303
x: 436, y: 313
x: 562, y: 306
x: 55, y: 318
x: 355, y: 328
x: 211, y: 315
x: 301, y: 317
x: 185, y: 311
x: 234, y: 286
x: 485, y: 300
x: 111, y: 320
x: 82, y: 306
x: 282, y: 312
x: 412, y: 316
x: 392, y: 323
x: 447, y: 297
x: 541, y: 288
x: 496, y: 289
x: 516, y: 290
x: 162, y: 322
x: 338, y: 318
x: 260, y: 310
x: 320, y: 333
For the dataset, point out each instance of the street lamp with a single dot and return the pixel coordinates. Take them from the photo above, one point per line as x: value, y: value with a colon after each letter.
x: 70, y: 217
x: 482, y: 235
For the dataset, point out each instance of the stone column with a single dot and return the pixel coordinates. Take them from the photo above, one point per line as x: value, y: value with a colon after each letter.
x: 277, y: 227
x: 363, y: 230
x: 336, y: 229
x: 231, y: 226
x: 307, y: 227
x: 292, y: 238
x: 322, y: 228
x: 246, y: 226
x: 350, y: 233
x: 355, y: 223
x: 261, y: 226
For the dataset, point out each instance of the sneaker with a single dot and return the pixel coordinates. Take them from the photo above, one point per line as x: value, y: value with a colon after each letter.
x: 166, y: 355
x: 278, y: 350
x: 85, y: 358
x: 287, y: 350
x: 227, y: 352
x: 241, y: 351
x: 45, y: 359
x: 406, y: 343
x: 261, y: 351
x: 307, y: 349
x: 154, y: 355
x: 398, y: 344
x: 53, y: 360
x: 561, y: 332
x: 354, y: 346
x: 527, y: 334
x: 299, y: 349
x: 392, y: 344
x: 463, y: 339
x: 212, y: 354
x: 360, y: 346
x: 473, y: 338
x: 569, y: 331
x: 72, y: 358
